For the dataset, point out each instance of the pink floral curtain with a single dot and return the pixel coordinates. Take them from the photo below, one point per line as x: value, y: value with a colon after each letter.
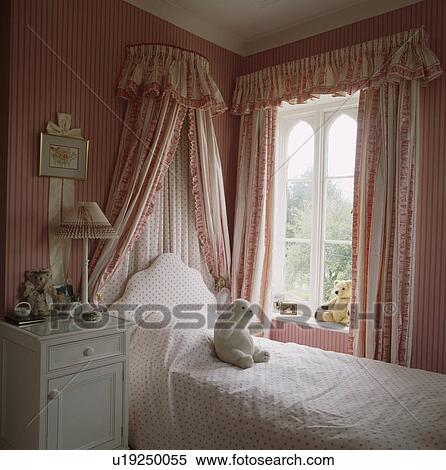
x: 252, y: 248
x: 389, y: 72
x: 384, y: 221
x: 161, y: 84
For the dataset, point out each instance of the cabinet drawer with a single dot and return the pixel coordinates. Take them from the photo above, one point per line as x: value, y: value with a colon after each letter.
x: 68, y: 354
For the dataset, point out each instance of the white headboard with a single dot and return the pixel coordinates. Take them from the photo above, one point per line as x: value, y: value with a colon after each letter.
x: 168, y: 282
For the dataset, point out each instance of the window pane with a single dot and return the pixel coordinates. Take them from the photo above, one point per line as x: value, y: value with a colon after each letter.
x: 297, y: 269
x: 299, y: 208
x: 300, y: 151
x: 342, y: 146
x: 338, y: 209
x: 337, y: 265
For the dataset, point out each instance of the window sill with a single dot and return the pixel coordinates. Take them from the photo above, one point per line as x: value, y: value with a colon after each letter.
x: 310, y: 323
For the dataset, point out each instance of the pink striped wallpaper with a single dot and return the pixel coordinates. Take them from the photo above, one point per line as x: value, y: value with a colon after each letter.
x: 66, y: 55
x: 429, y: 340
x: 5, y: 7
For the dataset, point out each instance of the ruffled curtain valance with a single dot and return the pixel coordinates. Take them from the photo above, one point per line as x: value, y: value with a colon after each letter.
x: 403, y: 56
x: 159, y: 69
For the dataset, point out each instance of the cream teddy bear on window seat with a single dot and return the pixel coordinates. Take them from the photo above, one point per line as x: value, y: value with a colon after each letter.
x: 338, y: 309
x: 232, y: 339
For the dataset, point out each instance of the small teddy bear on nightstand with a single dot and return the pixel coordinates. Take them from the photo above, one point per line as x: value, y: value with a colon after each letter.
x: 39, y: 291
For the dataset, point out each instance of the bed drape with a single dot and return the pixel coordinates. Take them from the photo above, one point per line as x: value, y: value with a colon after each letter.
x: 170, y: 228
x: 389, y: 72
x: 161, y: 84
x: 209, y: 195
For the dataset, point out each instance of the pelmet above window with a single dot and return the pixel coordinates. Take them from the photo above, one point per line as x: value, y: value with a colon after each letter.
x: 392, y: 58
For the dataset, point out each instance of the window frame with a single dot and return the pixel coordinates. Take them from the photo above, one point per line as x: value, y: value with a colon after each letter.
x: 321, y: 116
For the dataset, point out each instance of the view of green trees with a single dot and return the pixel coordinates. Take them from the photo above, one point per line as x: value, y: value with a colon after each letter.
x: 338, y: 221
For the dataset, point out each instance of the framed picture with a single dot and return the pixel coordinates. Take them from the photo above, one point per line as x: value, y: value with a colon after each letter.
x: 63, y: 157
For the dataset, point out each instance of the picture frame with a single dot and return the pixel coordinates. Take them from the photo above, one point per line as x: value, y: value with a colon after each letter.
x: 63, y: 157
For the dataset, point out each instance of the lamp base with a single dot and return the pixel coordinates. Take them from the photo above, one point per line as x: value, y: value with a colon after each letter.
x: 84, y: 298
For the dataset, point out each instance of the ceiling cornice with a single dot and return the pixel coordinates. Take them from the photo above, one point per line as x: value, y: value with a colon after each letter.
x: 321, y: 24
x: 184, y: 19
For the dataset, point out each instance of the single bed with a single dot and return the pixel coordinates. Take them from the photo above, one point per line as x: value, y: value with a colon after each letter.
x: 183, y: 397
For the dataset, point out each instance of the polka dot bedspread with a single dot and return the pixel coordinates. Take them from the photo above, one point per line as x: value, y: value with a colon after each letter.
x: 183, y: 397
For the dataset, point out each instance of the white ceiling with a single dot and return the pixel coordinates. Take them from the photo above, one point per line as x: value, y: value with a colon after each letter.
x: 250, y: 26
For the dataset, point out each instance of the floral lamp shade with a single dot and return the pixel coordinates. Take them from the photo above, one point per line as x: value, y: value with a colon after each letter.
x: 86, y: 220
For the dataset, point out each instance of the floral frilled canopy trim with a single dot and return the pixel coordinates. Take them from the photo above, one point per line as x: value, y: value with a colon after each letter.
x: 403, y: 56
x: 158, y: 69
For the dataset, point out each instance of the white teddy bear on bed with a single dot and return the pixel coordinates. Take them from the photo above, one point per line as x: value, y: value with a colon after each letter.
x: 232, y: 339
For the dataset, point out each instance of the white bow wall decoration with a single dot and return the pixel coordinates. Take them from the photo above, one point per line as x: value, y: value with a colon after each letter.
x: 63, y: 126
x: 60, y: 199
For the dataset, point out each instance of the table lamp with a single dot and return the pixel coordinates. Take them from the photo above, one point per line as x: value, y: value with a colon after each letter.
x: 86, y: 220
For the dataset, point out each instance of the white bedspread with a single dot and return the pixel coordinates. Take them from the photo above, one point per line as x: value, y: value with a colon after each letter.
x: 304, y: 398
x: 183, y: 397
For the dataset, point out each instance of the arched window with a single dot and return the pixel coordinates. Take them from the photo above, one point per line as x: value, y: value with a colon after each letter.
x: 313, y: 218
x: 341, y: 146
x: 300, y: 167
x: 300, y: 148
x: 340, y: 168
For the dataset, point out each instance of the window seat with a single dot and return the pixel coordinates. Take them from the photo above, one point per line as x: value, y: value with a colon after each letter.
x: 311, y: 322
x: 309, y: 332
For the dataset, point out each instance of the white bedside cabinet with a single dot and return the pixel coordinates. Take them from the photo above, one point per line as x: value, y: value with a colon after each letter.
x: 64, y: 386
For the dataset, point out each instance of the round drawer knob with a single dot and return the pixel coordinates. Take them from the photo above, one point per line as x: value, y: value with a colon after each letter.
x: 88, y: 352
x: 53, y: 394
